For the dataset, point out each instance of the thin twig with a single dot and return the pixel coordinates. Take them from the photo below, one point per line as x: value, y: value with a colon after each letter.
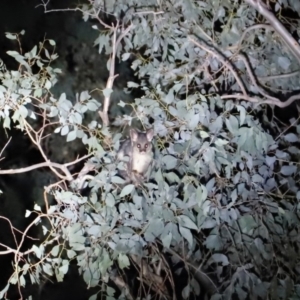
x: 5, y: 146
x: 40, y: 165
x: 279, y: 76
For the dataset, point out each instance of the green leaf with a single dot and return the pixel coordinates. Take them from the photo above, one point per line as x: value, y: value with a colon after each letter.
x: 242, y: 111
x: 22, y: 281
x: 14, y: 53
x: 125, y: 56
x: 52, y: 42
x: 117, y: 179
x: 93, y: 197
x: 186, y: 292
x: 37, y: 251
x: 10, y: 36
x: 32, y: 53
x: 220, y: 258
x: 27, y: 213
x: 166, y: 239
x: 71, y: 136
x: 232, y: 124
x: 193, y: 123
x: 155, y: 228
x: 209, y: 223
x: 14, y: 278
x: 65, y: 130
x: 65, y: 267
x: 37, y: 207
x: 284, y: 62
x: 127, y: 190
x: 6, y: 123
x: 110, y: 291
x: 185, y: 221
x: 23, y: 111
x: 186, y: 234
x: 169, y: 97
x: 247, y: 223
x: 55, y: 250
x: 48, y: 84
x: 204, y: 134
x: 123, y: 261
x: 94, y: 230
x: 107, y: 92
x: 53, y: 112
x: 93, y: 105
x: 214, y: 242
x: 77, y: 238
x: 169, y: 161
x: 291, y: 137
x: 110, y: 200
x: 71, y: 254
x: 121, y: 103
x: 172, y: 177
x: 288, y: 170
x: 132, y: 84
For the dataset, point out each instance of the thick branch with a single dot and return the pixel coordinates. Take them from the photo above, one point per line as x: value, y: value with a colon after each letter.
x: 269, y: 99
x: 263, y: 9
x: 254, y: 81
x: 109, y: 85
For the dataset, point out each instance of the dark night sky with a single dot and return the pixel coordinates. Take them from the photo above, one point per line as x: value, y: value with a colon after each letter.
x: 16, y: 15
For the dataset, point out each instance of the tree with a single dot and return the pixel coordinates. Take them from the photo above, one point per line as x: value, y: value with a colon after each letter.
x: 219, y: 216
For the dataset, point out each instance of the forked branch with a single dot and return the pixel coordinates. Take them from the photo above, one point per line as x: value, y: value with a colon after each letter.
x: 109, y: 85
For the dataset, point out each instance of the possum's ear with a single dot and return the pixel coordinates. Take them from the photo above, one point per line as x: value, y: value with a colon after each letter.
x: 150, y: 133
x: 134, y: 135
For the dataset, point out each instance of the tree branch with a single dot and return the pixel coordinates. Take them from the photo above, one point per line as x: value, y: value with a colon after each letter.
x: 263, y: 9
x: 48, y: 163
x: 109, y: 85
x: 223, y: 60
x: 244, y: 95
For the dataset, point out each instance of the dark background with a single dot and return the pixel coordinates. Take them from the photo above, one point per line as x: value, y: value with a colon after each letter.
x: 20, y: 192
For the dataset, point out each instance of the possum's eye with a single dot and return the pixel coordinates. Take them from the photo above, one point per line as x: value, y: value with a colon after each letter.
x: 139, y: 146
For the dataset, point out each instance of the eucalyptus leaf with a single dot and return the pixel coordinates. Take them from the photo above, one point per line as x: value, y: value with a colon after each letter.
x: 213, y: 86
x: 288, y: 170
x: 186, y: 234
x: 186, y: 222
x: 169, y: 161
x: 110, y: 200
x: 123, y: 261
x: 55, y: 250
x: 126, y: 190
x: 291, y: 137
x: 71, y: 136
x: 107, y: 92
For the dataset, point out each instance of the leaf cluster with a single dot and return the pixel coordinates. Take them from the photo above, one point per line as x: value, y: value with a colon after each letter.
x: 222, y: 199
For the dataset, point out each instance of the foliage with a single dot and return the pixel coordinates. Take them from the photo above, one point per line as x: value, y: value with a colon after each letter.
x: 221, y: 204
